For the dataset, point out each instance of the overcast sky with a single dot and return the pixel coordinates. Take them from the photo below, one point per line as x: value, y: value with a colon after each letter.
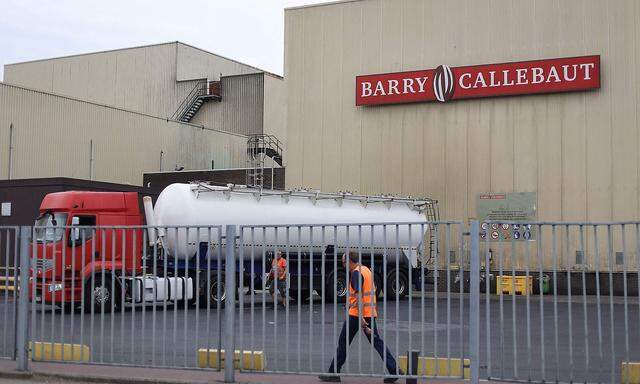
x: 250, y: 31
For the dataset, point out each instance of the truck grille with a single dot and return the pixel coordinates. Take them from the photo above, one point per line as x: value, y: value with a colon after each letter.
x: 43, y: 264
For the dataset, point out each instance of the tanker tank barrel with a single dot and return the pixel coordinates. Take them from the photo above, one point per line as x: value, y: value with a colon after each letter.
x: 205, y: 205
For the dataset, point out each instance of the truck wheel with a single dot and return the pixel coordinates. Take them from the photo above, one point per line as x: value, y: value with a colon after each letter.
x: 403, y: 285
x: 213, y: 291
x: 335, y: 287
x: 98, y: 295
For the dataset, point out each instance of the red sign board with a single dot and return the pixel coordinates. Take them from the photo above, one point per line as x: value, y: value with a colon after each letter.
x: 488, y: 80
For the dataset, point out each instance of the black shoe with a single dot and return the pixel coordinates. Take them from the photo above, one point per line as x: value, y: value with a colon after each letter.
x: 393, y: 379
x: 329, y: 378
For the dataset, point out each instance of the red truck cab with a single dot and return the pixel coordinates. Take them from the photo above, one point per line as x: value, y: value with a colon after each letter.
x: 80, y: 234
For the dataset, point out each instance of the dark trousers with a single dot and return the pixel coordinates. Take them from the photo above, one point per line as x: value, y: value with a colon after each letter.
x: 378, y: 344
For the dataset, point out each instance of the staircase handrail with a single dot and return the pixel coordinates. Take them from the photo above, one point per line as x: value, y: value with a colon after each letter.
x: 199, y: 90
x: 267, y: 141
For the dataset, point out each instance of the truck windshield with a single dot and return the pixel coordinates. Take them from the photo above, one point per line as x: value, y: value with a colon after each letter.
x: 46, y: 231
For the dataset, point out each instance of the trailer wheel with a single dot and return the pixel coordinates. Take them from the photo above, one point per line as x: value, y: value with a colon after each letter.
x: 213, y: 290
x: 403, y: 285
x: 99, y: 295
x: 335, y: 287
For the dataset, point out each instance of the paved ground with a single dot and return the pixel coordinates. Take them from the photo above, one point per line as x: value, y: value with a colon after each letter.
x: 307, y: 343
x: 61, y: 373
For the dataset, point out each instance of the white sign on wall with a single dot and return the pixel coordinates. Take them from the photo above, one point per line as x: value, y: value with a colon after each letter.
x: 5, y: 209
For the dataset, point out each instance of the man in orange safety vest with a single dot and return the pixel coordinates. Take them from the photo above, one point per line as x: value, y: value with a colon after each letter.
x: 362, y: 314
x: 278, y: 277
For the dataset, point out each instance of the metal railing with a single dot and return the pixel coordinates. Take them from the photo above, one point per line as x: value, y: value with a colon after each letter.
x: 303, y: 336
x: 198, y: 90
x: 108, y: 297
x: 202, y: 89
x: 570, y: 318
x: 259, y: 147
x: 554, y: 302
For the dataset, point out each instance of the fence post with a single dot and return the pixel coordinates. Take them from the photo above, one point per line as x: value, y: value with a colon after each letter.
x: 474, y: 312
x: 230, y: 303
x: 22, y: 328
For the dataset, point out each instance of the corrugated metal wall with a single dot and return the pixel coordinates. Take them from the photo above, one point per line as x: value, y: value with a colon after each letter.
x: 52, y: 136
x: 140, y: 79
x: 241, y: 110
x: 193, y: 63
x: 578, y: 151
x: 152, y: 79
x: 275, y: 109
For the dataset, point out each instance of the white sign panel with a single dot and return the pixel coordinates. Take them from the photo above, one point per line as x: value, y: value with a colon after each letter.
x: 5, y: 209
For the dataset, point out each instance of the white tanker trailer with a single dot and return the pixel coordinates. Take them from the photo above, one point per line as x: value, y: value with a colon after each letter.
x: 279, y: 220
x: 311, y: 228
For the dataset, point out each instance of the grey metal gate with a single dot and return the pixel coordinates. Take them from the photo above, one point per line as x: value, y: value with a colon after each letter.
x: 561, y: 305
x: 296, y: 323
x: 90, y: 303
x: 496, y: 300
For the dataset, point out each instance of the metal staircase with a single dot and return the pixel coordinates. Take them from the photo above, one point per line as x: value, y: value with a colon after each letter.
x: 202, y: 92
x: 259, y: 148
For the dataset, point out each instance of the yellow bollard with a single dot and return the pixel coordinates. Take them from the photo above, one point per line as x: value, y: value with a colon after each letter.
x: 210, y: 358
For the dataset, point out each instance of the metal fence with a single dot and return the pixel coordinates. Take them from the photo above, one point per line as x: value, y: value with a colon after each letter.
x: 299, y: 323
x: 574, y: 317
x: 121, y: 300
x: 554, y: 302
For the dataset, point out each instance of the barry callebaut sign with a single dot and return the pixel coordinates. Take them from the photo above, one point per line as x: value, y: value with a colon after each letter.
x: 488, y: 80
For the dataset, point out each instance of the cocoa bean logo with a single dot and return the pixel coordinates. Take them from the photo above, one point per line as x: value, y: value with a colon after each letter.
x: 443, y: 83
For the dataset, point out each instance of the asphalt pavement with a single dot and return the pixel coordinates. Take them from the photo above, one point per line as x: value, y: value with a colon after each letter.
x: 550, y: 343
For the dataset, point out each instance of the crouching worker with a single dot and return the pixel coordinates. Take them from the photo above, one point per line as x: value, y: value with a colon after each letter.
x: 362, y: 314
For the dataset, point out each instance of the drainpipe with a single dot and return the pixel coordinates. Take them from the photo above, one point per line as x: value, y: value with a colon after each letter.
x: 161, y: 156
x: 10, y: 171
x: 92, y: 160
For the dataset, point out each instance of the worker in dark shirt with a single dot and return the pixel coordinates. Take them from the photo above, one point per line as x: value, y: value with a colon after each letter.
x: 362, y: 314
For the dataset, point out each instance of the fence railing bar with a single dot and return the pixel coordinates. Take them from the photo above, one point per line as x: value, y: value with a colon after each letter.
x: 528, y: 304
x: 584, y: 301
x: 487, y: 303
x: 474, y: 303
x: 499, y: 288
x: 436, y: 269
x: 22, y: 329
x: 626, y: 304
x: 541, y: 284
x: 554, y: 254
x: 569, y: 309
x: 597, y: 259
x: 286, y: 299
x: 612, y: 351
x: 514, y: 339
x: 230, y: 282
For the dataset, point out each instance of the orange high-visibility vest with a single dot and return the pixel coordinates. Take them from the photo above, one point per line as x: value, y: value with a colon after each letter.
x: 279, y: 267
x: 367, y: 295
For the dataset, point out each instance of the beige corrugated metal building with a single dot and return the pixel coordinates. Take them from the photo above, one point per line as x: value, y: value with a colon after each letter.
x: 124, y: 102
x: 52, y: 137
x: 577, y: 151
x: 156, y: 79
